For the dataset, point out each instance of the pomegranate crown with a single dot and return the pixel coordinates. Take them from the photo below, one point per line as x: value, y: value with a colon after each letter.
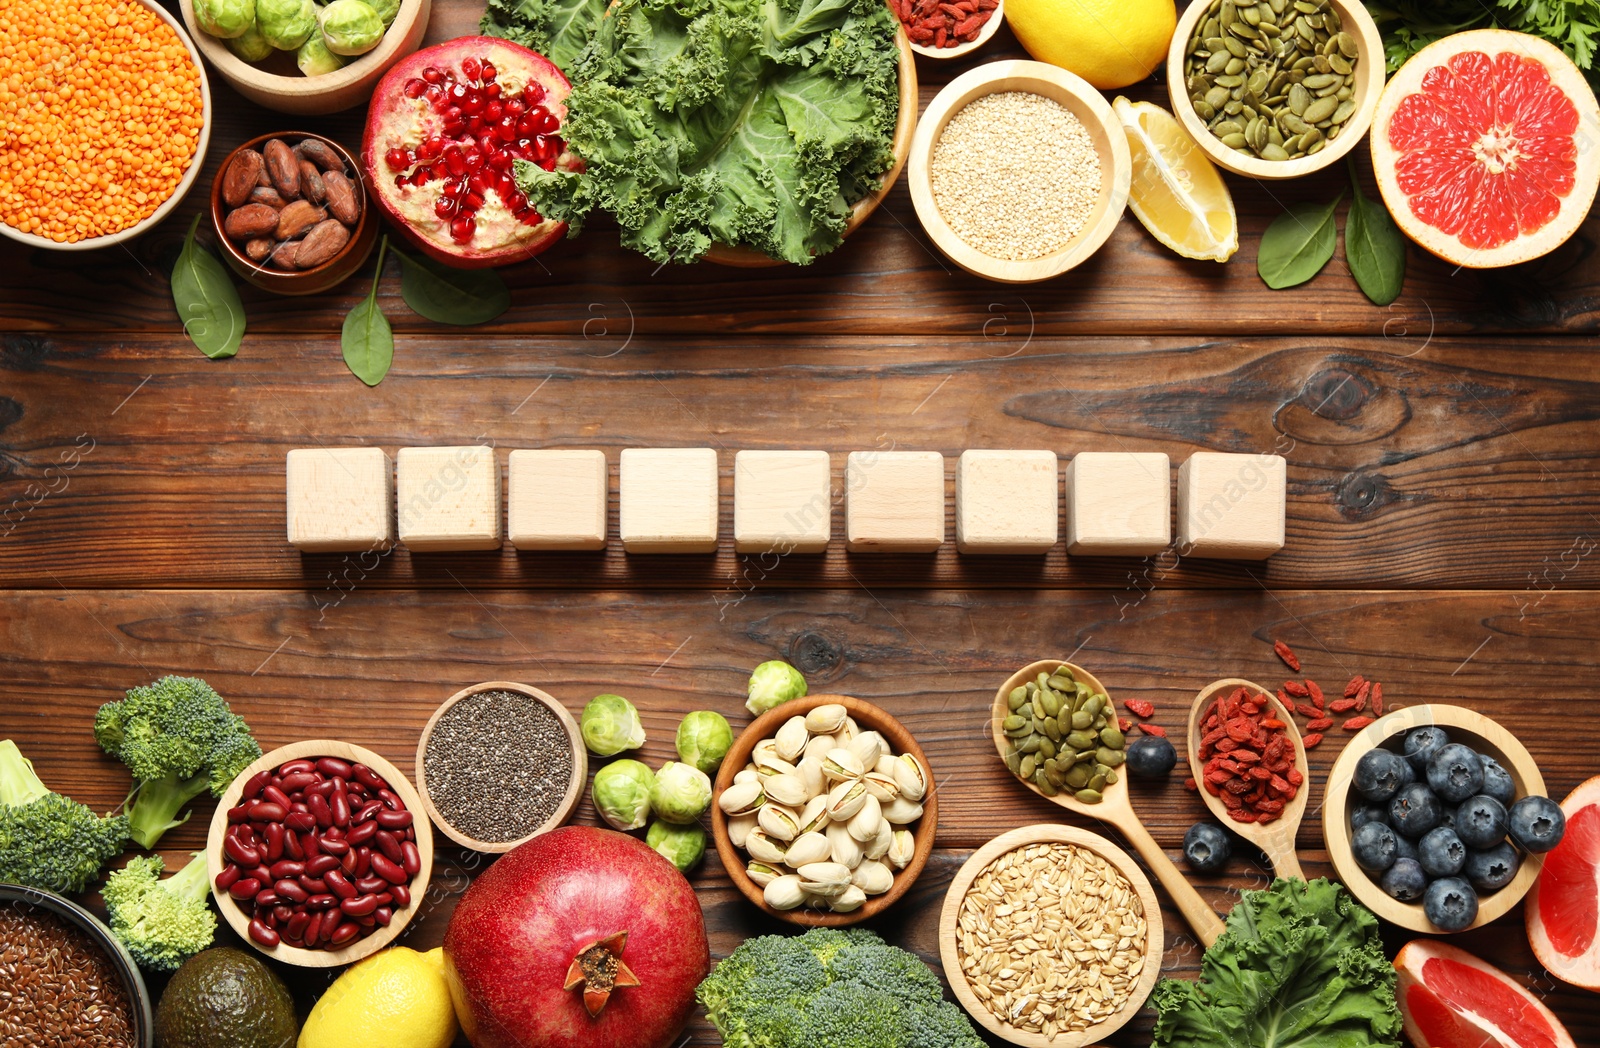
x: 599, y: 969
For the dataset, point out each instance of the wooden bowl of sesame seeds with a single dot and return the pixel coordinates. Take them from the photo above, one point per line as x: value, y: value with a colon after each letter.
x: 1029, y: 182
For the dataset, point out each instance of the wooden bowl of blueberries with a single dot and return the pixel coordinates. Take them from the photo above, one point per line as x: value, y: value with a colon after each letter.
x: 1437, y: 820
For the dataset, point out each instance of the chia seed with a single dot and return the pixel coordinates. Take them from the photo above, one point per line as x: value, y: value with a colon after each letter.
x: 497, y: 765
x: 59, y: 988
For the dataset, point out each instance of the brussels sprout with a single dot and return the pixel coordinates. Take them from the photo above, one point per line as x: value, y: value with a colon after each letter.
x: 772, y: 684
x: 286, y: 24
x: 681, y: 793
x: 351, y: 27
x: 225, y: 19
x: 252, y: 46
x: 622, y: 794
x: 314, y: 58
x: 680, y: 845
x: 610, y: 723
x: 387, y: 10
x: 703, y: 740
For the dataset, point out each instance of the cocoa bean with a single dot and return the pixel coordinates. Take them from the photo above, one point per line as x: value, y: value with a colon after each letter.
x: 326, y: 239
x: 343, y: 203
x: 268, y: 196
x: 284, y: 167
x: 258, y: 249
x: 263, y: 179
x: 240, y: 178
x: 250, y: 221
x: 298, y: 217
x: 311, y: 184
x: 320, y: 154
x: 285, y: 254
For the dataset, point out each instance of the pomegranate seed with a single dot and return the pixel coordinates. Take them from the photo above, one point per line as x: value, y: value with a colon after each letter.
x: 472, y: 104
x: 491, y: 91
x: 493, y: 111
x: 435, y: 95
x: 533, y: 94
x: 529, y: 217
x: 414, y: 87
x: 462, y: 227
x: 471, y: 67
x: 452, y: 113
x: 528, y: 125
x: 454, y: 129
x: 396, y: 159
x: 432, y: 75
x: 457, y: 92
x: 487, y: 73
x: 479, y: 182
x: 476, y: 125
x: 549, y: 125
x: 400, y: 181
x: 506, y: 185
x: 444, y: 207
x: 514, y: 107
x: 500, y: 160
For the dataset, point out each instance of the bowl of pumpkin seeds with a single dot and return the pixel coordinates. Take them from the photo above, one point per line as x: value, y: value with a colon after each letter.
x: 1275, y: 89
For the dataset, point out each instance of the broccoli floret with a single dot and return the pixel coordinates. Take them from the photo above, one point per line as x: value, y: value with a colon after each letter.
x: 47, y: 840
x: 162, y: 922
x: 830, y: 989
x: 179, y: 738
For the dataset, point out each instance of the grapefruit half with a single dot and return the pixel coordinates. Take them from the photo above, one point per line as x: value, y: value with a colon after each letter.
x: 1484, y: 148
x: 1562, y: 911
x: 1450, y: 999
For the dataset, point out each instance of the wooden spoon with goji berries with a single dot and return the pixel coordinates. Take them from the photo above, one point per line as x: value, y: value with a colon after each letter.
x: 1250, y: 766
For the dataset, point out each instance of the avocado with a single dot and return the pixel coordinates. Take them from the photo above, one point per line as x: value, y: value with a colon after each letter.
x: 225, y: 998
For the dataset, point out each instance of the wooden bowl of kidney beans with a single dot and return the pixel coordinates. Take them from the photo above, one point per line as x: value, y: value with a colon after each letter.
x: 320, y: 853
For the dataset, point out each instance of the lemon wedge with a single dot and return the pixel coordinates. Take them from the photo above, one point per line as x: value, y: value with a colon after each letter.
x: 1176, y: 192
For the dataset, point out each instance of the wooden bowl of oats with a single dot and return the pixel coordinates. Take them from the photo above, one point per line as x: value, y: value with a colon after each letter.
x: 1022, y: 979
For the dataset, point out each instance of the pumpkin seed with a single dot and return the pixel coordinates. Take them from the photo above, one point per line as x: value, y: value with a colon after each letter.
x: 1348, y: 46
x: 1320, y: 110
x: 1234, y: 46
x: 1340, y: 115
x: 1273, y: 152
x: 1234, y: 66
x: 1339, y: 64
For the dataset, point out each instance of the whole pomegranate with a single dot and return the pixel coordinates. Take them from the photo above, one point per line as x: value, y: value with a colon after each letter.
x: 443, y: 132
x: 580, y: 938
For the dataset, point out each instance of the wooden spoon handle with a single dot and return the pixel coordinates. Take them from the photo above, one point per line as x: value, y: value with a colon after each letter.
x: 1279, y: 849
x: 1202, y: 918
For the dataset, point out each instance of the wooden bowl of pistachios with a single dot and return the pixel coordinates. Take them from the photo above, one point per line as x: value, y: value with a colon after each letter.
x: 824, y: 811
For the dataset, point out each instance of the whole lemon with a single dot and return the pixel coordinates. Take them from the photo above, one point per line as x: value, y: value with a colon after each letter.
x: 397, y: 998
x: 1110, y: 43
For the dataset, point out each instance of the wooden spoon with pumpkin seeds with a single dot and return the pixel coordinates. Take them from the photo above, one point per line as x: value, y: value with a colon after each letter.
x: 1114, y: 806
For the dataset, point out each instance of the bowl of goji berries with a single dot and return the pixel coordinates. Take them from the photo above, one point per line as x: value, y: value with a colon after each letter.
x: 949, y: 28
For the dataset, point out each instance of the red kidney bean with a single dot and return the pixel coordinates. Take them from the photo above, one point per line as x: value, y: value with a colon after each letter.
x: 310, y: 843
x: 352, y: 859
x: 383, y: 915
x: 321, y: 789
x: 360, y: 906
x: 339, y: 769
x: 321, y: 865
x: 314, y: 885
x: 292, y: 890
x: 225, y: 880
x: 402, y: 896
x: 266, y: 811
x: 254, y: 784
x: 274, y: 834
x: 370, y: 884
x: 298, y: 805
x: 343, y: 933
x: 260, y: 873
x: 273, y: 795
x: 386, y: 896
x: 291, y: 767
x: 319, y: 808
x: 281, y: 914
x: 412, y: 861
x: 363, y: 856
x: 299, y: 781
x: 368, y: 921
x: 339, y: 805
x: 265, y: 899
x: 313, y: 926
x: 296, y: 928
x: 244, y: 888
x: 340, y: 885
x: 391, y: 872
x: 300, y: 821
x: 263, y: 934
x: 368, y: 810
x: 237, y: 815
x: 391, y: 800
x: 242, y: 854
x: 334, y: 846
x: 367, y: 776
x: 361, y: 833
x: 287, y: 868
x: 323, y: 901
x: 394, y: 820
x: 333, y: 833
x: 291, y: 846
x: 411, y: 833
x: 389, y: 844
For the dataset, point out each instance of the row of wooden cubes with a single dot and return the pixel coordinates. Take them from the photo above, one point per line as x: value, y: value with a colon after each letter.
x: 1007, y: 502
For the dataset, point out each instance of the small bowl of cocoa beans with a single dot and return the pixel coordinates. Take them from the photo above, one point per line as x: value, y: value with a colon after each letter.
x: 291, y: 213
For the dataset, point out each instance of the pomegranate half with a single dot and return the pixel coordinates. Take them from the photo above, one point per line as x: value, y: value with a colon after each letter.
x: 444, y: 129
x: 580, y: 938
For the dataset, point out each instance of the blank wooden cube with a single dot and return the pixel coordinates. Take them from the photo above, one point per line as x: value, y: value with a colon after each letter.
x: 448, y: 498
x: 556, y: 499
x: 1007, y: 501
x: 1231, y: 507
x: 669, y: 500
x: 894, y: 501
x: 338, y: 499
x: 1119, y: 504
x: 782, y: 502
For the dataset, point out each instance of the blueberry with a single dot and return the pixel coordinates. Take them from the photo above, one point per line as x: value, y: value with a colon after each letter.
x: 1537, y: 823
x: 1481, y: 822
x: 1422, y: 743
x: 1405, y: 880
x: 1375, y: 847
x: 1492, y: 869
x: 1441, y: 852
x: 1497, y: 781
x: 1369, y: 813
x: 1380, y: 772
x: 1415, y: 810
x: 1455, y: 773
x: 1206, y: 848
x: 1150, y: 757
x: 1405, y: 848
x: 1450, y: 903
x: 1447, y: 815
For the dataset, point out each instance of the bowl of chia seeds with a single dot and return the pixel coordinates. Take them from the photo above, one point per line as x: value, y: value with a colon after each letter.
x: 499, y: 763
x: 68, y: 980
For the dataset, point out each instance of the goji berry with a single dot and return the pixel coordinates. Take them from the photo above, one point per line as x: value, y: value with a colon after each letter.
x: 1260, y: 774
x: 1270, y: 807
x: 1244, y: 756
x: 1212, y: 788
x: 1305, y: 709
x: 1241, y: 729
x: 1315, y: 693
x: 1286, y: 653
x: 1279, y: 784
x: 1294, y: 777
x: 1240, y: 815
x: 1153, y: 729
x: 1356, y: 723
x: 1342, y: 705
x: 1239, y: 786
x: 1124, y: 725
x: 1361, y: 696
x: 1354, y: 686
x: 1190, y: 785
x: 1377, y: 700
x: 1230, y: 800
x: 1295, y: 688
x: 1319, y: 724
x: 1272, y: 723
x: 1284, y: 698
x: 1310, y: 741
x: 1225, y: 745
x: 1140, y: 707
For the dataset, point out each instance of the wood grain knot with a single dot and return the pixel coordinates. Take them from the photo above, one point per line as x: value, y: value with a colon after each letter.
x: 10, y: 412
x: 1361, y: 495
x: 24, y: 352
x: 813, y: 652
x: 1335, y: 394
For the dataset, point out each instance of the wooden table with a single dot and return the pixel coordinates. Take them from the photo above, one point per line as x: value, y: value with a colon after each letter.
x: 1444, y: 464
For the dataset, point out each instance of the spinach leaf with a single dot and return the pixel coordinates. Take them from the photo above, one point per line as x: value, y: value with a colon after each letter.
x: 1374, y: 247
x: 367, y: 340
x: 1297, y: 244
x: 207, y: 302
x: 451, y: 296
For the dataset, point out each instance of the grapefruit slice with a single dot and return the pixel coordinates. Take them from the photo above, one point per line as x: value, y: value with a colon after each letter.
x: 1563, y: 915
x: 1450, y: 999
x: 1483, y: 148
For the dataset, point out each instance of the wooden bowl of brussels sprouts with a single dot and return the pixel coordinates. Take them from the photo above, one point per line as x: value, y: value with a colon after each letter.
x: 309, y: 80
